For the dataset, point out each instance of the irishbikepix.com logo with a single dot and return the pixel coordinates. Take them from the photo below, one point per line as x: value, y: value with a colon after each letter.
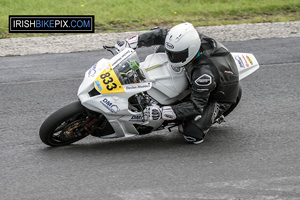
x: 51, y: 24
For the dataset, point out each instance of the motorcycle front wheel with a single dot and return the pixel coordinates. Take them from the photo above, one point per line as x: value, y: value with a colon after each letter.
x: 65, y: 126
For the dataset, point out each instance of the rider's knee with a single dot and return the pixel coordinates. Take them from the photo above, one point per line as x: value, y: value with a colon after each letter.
x: 193, y: 133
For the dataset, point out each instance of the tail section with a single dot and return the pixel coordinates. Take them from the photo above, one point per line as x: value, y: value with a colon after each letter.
x: 246, y: 64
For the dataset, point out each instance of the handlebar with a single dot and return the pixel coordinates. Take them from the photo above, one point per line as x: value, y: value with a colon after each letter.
x: 111, y: 49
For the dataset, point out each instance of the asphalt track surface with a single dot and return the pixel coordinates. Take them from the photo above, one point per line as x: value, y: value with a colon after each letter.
x: 254, y: 155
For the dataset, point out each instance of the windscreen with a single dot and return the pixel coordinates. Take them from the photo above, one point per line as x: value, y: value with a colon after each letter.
x: 123, y: 70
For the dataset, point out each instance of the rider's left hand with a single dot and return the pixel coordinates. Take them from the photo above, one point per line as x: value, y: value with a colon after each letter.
x: 130, y: 42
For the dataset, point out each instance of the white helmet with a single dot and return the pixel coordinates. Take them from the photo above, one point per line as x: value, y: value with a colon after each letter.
x: 182, y: 44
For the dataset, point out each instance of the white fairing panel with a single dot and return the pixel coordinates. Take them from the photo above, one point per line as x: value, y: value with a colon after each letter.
x: 168, y: 85
x: 246, y: 64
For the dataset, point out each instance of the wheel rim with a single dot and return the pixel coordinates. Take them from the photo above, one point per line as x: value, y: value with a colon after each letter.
x: 69, y: 131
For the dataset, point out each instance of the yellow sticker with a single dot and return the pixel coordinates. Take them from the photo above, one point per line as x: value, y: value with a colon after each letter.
x: 108, y: 82
x: 249, y: 59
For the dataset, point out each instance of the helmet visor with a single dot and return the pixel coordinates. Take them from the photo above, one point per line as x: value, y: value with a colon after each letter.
x: 178, y: 56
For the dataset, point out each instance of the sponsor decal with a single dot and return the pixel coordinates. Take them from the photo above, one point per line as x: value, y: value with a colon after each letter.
x: 228, y: 72
x: 203, y: 90
x: 249, y: 59
x: 204, y: 80
x: 137, y: 86
x: 247, y: 64
x: 137, y: 118
x: 98, y: 85
x: 240, y: 61
x: 92, y: 71
x: 169, y: 45
x: 110, y: 106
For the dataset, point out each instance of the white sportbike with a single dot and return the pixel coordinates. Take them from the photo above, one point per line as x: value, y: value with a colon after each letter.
x: 115, y: 92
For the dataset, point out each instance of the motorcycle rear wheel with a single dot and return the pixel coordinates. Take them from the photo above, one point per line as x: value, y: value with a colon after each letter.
x: 65, y: 126
x: 232, y: 107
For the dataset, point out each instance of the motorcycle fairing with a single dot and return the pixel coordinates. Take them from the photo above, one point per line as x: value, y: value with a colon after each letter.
x: 169, y: 85
x: 162, y: 83
x: 113, y: 88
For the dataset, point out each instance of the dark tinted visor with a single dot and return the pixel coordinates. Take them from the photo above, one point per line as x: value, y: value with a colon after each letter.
x: 176, y: 57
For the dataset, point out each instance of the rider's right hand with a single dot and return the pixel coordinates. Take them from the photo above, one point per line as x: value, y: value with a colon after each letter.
x: 130, y: 42
x: 121, y: 45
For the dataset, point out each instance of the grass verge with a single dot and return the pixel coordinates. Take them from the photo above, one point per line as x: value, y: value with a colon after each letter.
x: 126, y: 15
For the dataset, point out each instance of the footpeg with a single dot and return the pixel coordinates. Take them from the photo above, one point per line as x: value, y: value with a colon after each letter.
x: 221, y: 119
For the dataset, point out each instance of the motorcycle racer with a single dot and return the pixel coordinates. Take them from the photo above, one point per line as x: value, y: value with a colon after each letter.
x: 211, y: 71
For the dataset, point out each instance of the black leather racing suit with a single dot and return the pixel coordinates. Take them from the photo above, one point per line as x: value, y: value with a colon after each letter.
x: 213, y: 78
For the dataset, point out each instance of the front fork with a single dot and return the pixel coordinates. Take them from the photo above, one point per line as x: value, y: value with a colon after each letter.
x: 91, y: 125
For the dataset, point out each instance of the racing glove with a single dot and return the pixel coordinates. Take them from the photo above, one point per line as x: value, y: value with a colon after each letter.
x: 155, y: 112
x: 130, y: 42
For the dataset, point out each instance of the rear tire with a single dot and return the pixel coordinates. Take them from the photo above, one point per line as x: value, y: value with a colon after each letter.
x: 65, y: 126
x: 232, y: 107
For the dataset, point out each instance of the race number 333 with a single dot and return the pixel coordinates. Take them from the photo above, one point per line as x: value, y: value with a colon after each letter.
x: 108, y: 82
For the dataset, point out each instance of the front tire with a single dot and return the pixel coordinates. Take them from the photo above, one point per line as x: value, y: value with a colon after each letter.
x: 65, y: 126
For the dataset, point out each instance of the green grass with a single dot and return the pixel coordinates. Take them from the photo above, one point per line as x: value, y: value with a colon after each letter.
x: 125, y: 15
